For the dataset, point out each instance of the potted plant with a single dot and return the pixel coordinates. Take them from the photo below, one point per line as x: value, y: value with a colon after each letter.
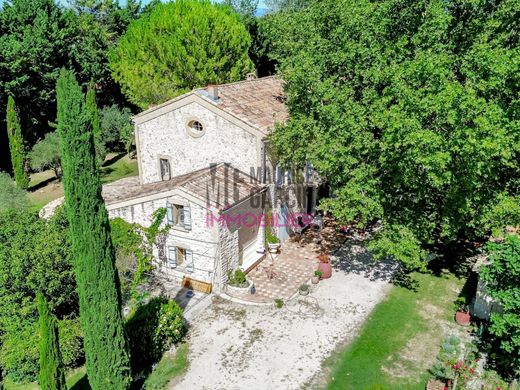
x: 278, y: 303
x: 462, y: 315
x: 273, y: 243
x: 304, y: 289
x: 238, y: 283
x: 317, y: 276
x: 324, y: 265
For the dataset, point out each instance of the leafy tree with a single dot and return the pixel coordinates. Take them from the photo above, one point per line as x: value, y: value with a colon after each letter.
x: 95, y: 118
x: 245, y: 8
x: 408, y: 110
x: 34, y: 255
x: 107, y: 358
x: 12, y: 197
x: 52, y: 376
x: 16, y: 145
x: 39, y: 37
x: 502, y: 277
x: 180, y: 46
x: 47, y: 154
x: 116, y: 128
x: 96, y: 27
x: 286, y: 5
x: 33, y: 40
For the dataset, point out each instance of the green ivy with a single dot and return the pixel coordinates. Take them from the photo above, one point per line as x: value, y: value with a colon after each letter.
x: 132, y: 238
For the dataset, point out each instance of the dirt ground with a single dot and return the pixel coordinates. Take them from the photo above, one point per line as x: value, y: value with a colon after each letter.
x: 234, y: 346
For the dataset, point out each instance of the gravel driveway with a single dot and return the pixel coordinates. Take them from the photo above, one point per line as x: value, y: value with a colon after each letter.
x: 234, y: 346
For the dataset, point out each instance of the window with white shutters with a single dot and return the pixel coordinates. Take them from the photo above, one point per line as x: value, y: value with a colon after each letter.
x: 178, y: 215
x: 172, y: 257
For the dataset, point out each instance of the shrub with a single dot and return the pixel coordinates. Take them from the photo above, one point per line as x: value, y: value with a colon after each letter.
x: 237, y: 278
x: 20, y: 354
x: 152, y: 329
x: 71, y: 343
x: 12, y: 197
x: 502, y: 277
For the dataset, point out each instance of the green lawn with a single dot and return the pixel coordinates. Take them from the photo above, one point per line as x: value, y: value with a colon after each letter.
x: 168, y: 368
x: 76, y: 380
x: 44, y: 188
x: 399, y: 341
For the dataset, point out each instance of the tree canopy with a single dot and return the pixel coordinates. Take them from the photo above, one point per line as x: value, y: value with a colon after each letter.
x: 179, y: 46
x: 410, y: 111
x: 47, y: 154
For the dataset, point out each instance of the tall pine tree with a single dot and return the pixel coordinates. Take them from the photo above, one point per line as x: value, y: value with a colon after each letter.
x: 107, y: 358
x: 52, y: 376
x: 16, y: 145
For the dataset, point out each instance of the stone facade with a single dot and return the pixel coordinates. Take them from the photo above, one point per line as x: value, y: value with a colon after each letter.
x: 168, y: 136
x: 215, y: 238
x: 201, y: 239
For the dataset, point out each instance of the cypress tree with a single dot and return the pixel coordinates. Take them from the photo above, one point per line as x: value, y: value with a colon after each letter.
x: 107, y: 358
x: 52, y: 376
x: 16, y: 145
x: 92, y: 108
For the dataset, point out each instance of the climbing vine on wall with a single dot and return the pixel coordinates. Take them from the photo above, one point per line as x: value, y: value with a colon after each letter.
x: 132, y: 239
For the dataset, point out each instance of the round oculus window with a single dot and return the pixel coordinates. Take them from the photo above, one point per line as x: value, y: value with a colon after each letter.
x: 196, y: 128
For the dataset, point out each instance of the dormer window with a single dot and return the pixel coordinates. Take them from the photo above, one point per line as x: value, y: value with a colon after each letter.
x: 195, y: 128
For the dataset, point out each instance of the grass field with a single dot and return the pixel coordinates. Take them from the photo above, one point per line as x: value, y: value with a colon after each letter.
x: 400, y: 340
x: 167, y: 369
x: 76, y: 380
x: 44, y: 187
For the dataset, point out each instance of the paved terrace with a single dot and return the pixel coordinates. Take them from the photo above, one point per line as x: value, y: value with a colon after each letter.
x: 279, y: 276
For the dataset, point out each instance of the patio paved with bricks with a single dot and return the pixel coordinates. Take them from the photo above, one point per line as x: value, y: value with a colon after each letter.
x: 279, y: 276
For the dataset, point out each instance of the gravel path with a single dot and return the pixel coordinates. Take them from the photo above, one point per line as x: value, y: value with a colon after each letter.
x: 234, y: 346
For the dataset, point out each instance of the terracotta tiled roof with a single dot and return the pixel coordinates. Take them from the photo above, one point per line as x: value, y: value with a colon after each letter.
x: 259, y: 102
x: 219, y: 186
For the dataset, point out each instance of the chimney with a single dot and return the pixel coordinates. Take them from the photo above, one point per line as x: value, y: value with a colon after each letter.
x: 213, y: 92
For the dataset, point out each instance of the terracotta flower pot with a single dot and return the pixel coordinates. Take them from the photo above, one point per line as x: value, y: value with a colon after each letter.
x: 326, y: 270
x: 463, y: 318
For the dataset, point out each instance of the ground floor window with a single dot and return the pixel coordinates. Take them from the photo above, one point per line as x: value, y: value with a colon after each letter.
x: 180, y: 257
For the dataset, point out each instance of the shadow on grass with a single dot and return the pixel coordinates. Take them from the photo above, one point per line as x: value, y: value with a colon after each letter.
x: 42, y: 184
x: 113, y: 160
x: 81, y: 384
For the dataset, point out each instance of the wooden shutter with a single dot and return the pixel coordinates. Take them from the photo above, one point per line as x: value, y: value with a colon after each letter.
x: 169, y: 213
x: 186, y: 212
x: 172, y: 256
x: 190, y: 267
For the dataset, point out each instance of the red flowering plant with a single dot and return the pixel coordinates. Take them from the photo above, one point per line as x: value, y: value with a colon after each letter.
x: 456, y: 364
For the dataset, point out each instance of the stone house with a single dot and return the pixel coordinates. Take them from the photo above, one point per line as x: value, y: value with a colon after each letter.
x: 203, y: 156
